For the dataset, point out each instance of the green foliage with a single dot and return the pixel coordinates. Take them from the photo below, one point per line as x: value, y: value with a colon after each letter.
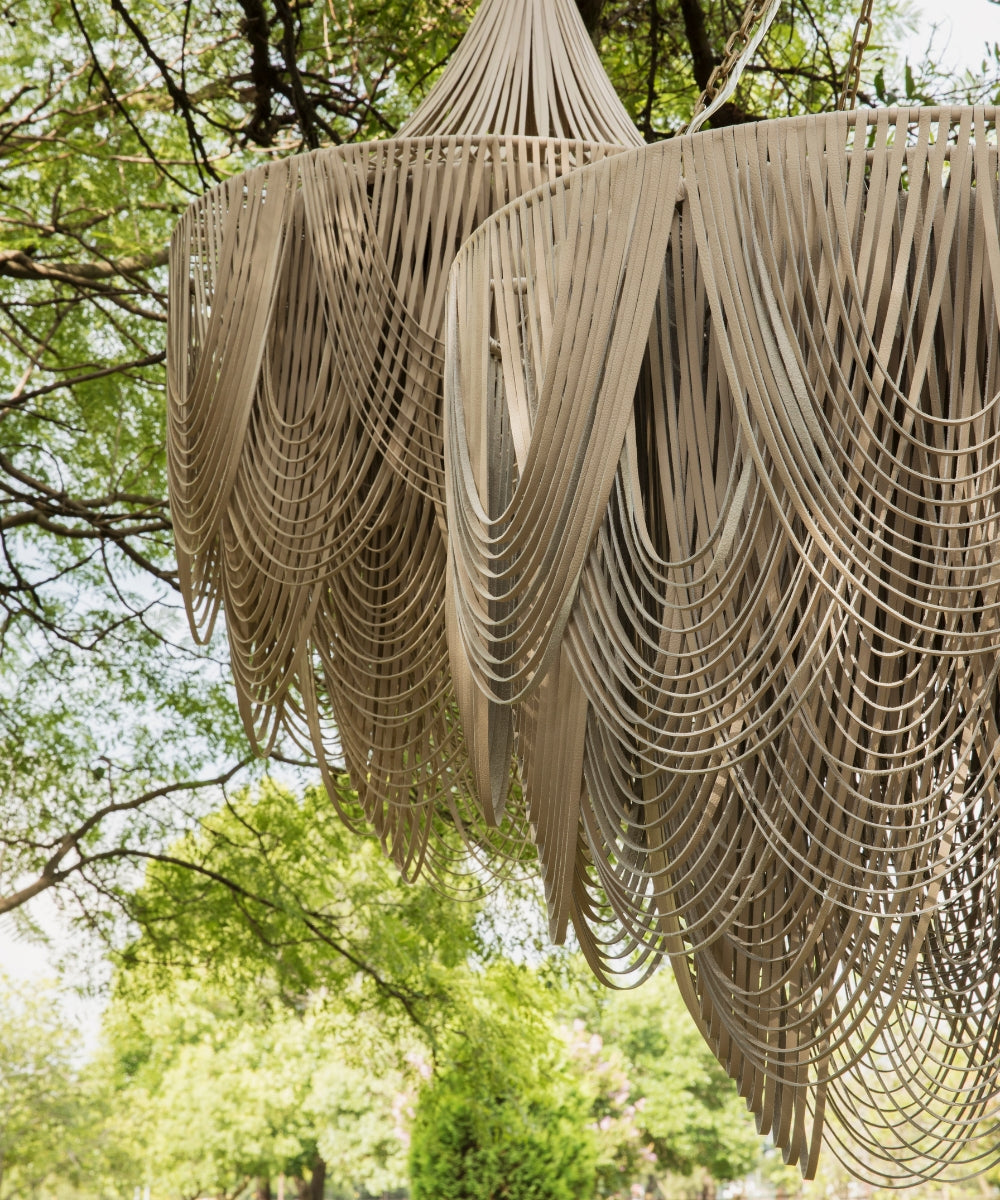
x: 51, y: 1131
x: 112, y: 724
x: 288, y: 978
x: 273, y: 931
x: 214, y: 1095
x: 273, y: 897
x: 660, y: 1106
x: 275, y: 1011
x: 502, y: 1116
x: 36, y: 1087
x: 691, y: 1112
x: 521, y: 1143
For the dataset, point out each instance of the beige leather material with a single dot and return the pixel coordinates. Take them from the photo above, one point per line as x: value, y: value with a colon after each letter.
x: 684, y: 495
x: 305, y: 446
x: 753, y: 379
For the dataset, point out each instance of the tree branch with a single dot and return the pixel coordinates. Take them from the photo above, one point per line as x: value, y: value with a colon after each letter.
x: 646, y: 117
x: 16, y: 264
x: 181, y: 99
x: 53, y: 872
x: 151, y: 360
x: 702, y: 54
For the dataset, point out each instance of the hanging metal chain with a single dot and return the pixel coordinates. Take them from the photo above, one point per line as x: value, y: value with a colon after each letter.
x: 741, y: 46
x: 743, y: 43
x: 862, y: 33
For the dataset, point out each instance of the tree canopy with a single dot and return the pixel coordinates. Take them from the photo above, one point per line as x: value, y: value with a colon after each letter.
x: 329, y: 1023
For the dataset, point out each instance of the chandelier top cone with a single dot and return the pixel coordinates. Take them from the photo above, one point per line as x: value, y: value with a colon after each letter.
x: 525, y: 68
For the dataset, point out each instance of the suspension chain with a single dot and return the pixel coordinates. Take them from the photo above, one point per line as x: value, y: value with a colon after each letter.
x: 742, y: 43
x: 862, y: 34
x: 738, y: 41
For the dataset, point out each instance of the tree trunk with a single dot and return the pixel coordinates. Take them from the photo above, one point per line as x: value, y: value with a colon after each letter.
x: 703, y: 61
x: 591, y: 11
x: 318, y: 1179
x: 702, y: 55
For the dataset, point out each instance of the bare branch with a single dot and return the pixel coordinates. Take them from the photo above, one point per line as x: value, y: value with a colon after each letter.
x: 21, y: 397
x: 17, y: 265
x: 55, y: 870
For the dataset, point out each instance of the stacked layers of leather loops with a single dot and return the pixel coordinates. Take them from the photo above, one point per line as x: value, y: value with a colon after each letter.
x: 304, y: 427
x: 723, y: 587
x: 723, y: 471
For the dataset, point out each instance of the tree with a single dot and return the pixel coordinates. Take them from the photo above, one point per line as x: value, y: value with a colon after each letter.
x: 690, y: 1115
x: 221, y: 1096
x: 273, y: 900
x: 348, y: 982
x: 502, y: 1115
x: 285, y: 976
x: 44, y: 1113
x: 112, y: 723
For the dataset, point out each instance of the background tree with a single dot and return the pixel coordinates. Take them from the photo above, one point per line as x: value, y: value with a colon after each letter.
x: 308, y: 1000
x: 502, y: 1115
x: 216, y: 1099
x: 690, y: 1115
x: 286, y: 999
x: 285, y: 989
x: 273, y: 899
x: 47, y: 1118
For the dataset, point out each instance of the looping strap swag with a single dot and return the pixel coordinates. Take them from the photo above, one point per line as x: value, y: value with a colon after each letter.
x: 664, y: 538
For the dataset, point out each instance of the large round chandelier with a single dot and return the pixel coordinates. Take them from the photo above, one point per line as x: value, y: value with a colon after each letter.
x: 730, y: 576
x: 305, y: 449
x: 705, y: 553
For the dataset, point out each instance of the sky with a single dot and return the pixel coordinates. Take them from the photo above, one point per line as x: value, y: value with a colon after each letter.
x: 21, y: 958
x: 963, y: 26
x: 28, y: 963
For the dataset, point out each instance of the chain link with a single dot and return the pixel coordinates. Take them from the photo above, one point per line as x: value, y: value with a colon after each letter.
x: 862, y: 33
x: 739, y: 39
